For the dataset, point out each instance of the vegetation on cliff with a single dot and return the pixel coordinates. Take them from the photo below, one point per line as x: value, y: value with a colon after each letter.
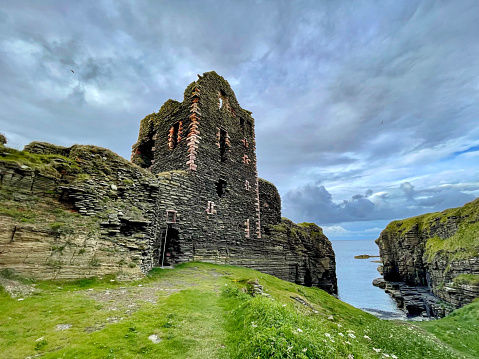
x: 463, y: 244
x: 202, y: 310
x: 440, y: 250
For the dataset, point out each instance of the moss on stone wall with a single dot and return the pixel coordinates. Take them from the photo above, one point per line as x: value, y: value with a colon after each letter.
x: 52, y: 165
x: 467, y: 279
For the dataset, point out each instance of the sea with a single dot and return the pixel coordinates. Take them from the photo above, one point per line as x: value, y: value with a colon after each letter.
x: 355, y: 278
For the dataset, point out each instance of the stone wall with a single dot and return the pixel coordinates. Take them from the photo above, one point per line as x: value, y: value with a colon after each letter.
x: 74, y: 212
x: 433, y: 250
x: 270, y: 203
x: 191, y: 193
x: 298, y: 253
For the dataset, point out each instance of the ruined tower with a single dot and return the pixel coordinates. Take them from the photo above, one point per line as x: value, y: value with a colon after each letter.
x: 211, y: 205
x: 209, y: 139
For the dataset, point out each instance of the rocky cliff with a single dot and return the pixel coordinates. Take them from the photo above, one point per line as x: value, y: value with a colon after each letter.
x: 81, y: 211
x: 438, y: 250
x: 73, y: 212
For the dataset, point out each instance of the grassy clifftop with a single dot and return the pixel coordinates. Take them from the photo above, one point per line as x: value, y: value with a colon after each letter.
x: 463, y: 244
x: 202, y: 310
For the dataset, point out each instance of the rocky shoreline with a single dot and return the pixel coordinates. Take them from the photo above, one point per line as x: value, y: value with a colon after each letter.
x: 417, y: 302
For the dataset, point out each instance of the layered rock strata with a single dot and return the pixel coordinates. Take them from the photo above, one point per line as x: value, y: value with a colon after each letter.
x: 191, y: 193
x: 437, y: 250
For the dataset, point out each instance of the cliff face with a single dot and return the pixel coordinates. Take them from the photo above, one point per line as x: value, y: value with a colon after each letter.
x: 68, y: 213
x: 74, y: 212
x: 438, y: 250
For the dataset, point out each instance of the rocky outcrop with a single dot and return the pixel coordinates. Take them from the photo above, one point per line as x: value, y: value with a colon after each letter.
x: 437, y: 250
x: 68, y: 213
x: 73, y: 212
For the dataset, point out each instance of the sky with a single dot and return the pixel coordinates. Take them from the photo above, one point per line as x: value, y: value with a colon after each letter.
x: 365, y: 111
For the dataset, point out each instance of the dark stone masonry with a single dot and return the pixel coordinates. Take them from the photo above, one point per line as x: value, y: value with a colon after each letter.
x: 213, y: 207
x: 192, y: 194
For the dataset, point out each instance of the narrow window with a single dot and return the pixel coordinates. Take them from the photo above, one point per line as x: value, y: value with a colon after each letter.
x: 242, y: 125
x: 223, y: 135
x: 210, y: 208
x: 221, y: 187
x: 173, y: 136
x: 170, y: 216
x: 223, y: 99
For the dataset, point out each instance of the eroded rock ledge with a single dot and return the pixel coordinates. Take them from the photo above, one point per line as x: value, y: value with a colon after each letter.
x: 68, y: 213
x: 438, y: 251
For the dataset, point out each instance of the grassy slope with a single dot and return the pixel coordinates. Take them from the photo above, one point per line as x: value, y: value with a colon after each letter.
x: 198, y: 312
x: 460, y: 329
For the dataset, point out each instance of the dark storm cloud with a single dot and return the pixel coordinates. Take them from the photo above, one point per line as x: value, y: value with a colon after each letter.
x: 313, y: 202
x: 358, y: 94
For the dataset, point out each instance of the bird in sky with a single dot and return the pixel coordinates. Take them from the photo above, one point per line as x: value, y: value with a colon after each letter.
x: 72, y: 71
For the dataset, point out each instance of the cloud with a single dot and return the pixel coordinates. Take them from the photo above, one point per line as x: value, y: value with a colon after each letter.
x: 313, y: 202
x: 376, y: 101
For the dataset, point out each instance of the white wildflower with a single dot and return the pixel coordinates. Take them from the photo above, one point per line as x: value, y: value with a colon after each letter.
x: 366, y: 337
x: 350, y: 356
x: 377, y: 350
x: 305, y: 349
x: 331, y: 340
x: 40, y: 339
x: 328, y: 335
x: 289, y: 348
x: 351, y: 335
x: 339, y: 325
x: 386, y: 355
x: 341, y: 334
x: 348, y: 343
x: 299, y: 330
x: 393, y: 356
x: 351, y: 331
x: 254, y: 325
x: 284, y: 305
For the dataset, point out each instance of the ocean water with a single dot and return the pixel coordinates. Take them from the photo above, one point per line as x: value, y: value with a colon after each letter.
x: 355, y: 278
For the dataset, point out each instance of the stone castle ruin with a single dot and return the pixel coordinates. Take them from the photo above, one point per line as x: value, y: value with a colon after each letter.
x: 193, y: 194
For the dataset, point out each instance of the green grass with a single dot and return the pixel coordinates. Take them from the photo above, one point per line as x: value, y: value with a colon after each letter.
x: 463, y: 244
x: 201, y: 311
x: 460, y: 329
x: 469, y: 279
x: 52, y: 165
x: 46, y: 213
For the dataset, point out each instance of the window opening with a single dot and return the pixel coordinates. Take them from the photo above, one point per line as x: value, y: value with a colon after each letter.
x: 170, y: 216
x: 246, y: 230
x: 242, y: 125
x: 173, y: 137
x: 223, y: 98
x: 210, y: 208
x: 221, y: 187
x: 223, y: 145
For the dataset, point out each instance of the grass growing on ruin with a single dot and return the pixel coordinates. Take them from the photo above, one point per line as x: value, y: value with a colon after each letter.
x: 52, y: 165
x: 468, y: 279
x: 45, y: 212
x: 200, y: 310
